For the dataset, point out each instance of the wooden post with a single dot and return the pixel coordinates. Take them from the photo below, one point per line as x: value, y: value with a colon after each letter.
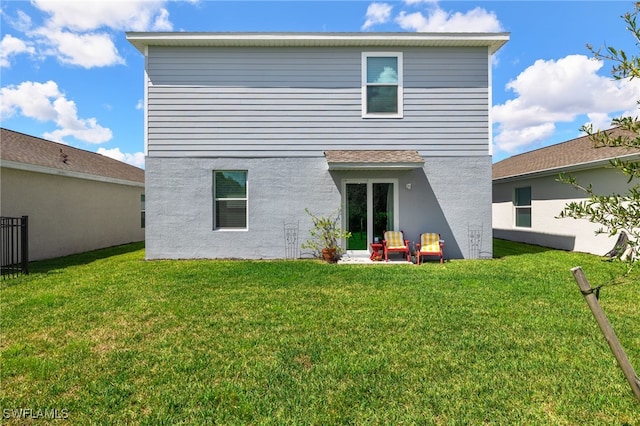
x: 607, y: 330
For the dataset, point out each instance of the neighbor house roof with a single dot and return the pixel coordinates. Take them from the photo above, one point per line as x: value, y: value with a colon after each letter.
x: 21, y: 151
x: 579, y: 153
x: 141, y: 40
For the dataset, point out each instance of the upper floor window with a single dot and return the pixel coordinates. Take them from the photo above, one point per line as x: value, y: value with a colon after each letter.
x: 522, y: 205
x: 382, y: 85
x: 230, y: 199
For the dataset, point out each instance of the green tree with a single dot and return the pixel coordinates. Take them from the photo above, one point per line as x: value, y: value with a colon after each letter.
x: 615, y: 212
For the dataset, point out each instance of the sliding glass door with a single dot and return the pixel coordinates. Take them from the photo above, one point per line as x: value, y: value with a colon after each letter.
x: 383, y: 212
x: 356, y: 216
x: 370, y: 209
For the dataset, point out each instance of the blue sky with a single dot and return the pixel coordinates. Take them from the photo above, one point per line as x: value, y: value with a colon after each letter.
x: 68, y: 74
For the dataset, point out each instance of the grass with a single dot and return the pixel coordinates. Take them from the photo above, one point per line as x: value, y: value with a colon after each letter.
x: 112, y: 339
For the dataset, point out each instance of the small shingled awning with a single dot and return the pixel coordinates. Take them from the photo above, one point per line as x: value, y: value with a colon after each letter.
x: 373, y: 160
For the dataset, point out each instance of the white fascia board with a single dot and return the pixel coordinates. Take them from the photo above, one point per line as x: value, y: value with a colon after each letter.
x: 67, y: 173
x: 403, y: 39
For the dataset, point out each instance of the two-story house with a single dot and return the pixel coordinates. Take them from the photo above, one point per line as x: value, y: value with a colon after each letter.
x: 244, y: 131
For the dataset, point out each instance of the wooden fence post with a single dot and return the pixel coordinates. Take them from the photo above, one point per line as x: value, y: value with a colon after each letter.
x: 607, y: 330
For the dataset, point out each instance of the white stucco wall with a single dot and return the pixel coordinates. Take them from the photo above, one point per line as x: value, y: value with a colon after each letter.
x: 71, y: 215
x: 548, y: 199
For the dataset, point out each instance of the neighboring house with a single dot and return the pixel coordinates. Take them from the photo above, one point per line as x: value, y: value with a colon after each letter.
x: 243, y: 131
x: 76, y: 200
x: 527, y: 198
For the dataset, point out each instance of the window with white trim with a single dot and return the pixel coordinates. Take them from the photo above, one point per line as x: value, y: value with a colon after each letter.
x: 230, y: 199
x: 382, y: 85
x: 522, y: 206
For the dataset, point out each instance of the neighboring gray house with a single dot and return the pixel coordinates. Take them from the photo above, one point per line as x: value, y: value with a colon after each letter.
x: 527, y: 198
x: 76, y: 200
x: 245, y: 130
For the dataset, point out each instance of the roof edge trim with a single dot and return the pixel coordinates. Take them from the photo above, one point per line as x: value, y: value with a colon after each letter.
x: 281, y: 39
x: 66, y: 173
x: 574, y: 167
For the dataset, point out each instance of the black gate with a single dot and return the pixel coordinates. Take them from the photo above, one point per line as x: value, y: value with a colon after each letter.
x: 14, y: 246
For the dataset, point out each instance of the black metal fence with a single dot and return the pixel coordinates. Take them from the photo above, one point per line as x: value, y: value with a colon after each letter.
x: 14, y: 246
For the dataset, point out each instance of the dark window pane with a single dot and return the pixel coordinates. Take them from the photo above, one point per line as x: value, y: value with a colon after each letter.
x: 523, y: 217
x: 231, y: 214
x: 382, y: 99
x: 523, y: 196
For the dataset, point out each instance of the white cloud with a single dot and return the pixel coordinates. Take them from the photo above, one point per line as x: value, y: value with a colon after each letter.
x: 87, y: 50
x: 82, y: 32
x: 135, y: 159
x: 388, y: 75
x: 414, y: 2
x: 377, y: 13
x: 87, y: 130
x: 45, y: 102
x: 512, y: 140
x: 31, y: 99
x: 434, y: 18
x: 161, y: 22
x: 10, y: 46
x: 550, y: 92
x: 439, y: 20
x: 21, y: 23
x: 81, y: 16
x: 600, y: 120
x: 140, y: 104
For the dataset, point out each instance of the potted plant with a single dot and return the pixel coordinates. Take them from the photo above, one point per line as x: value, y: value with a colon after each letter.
x: 326, y: 235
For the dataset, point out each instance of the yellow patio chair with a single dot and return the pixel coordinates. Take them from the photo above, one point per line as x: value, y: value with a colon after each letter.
x: 394, y: 242
x: 430, y: 245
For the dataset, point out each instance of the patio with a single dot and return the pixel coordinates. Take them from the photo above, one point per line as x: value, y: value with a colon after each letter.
x: 351, y: 258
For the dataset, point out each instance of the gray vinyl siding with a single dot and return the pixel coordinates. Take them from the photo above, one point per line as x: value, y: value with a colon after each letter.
x: 205, y: 102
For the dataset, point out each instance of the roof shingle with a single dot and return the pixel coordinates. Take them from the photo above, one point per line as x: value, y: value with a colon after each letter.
x: 26, y: 149
x: 364, y: 156
x: 579, y: 151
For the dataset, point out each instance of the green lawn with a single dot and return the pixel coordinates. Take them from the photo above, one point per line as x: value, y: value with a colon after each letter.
x: 109, y: 338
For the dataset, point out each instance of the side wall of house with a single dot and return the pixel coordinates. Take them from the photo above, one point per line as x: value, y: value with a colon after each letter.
x: 444, y: 198
x: 548, y: 199
x: 71, y: 215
